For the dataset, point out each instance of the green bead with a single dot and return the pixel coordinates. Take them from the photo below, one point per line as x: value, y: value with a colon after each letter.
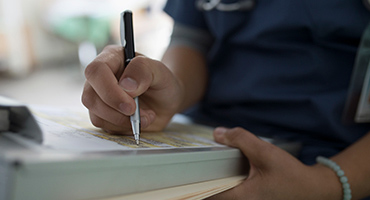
x: 347, y: 191
x: 346, y: 186
x: 320, y: 159
x: 340, y: 172
x: 343, y: 179
x: 337, y: 168
x: 347, y: 197
x: 331, y: 163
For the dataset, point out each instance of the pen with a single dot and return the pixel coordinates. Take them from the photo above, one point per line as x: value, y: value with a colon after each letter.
x: 127, y: 40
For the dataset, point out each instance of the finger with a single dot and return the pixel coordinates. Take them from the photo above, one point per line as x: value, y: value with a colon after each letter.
x: 101, y: 76
x: 112, y: 55
x: 107, y: 126
x: 252, y: 147
x: 99, y: 122
x: 143, y: 73
x: 97, y: 107
x: 138, y: 76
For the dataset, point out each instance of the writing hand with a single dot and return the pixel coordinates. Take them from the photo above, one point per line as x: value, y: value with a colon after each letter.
x: 109, y: 91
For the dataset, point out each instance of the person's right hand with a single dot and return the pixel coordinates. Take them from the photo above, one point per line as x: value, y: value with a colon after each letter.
x: 109, y: 91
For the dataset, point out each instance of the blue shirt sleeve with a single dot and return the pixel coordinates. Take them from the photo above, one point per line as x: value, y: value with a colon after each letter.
x: 185, y: 13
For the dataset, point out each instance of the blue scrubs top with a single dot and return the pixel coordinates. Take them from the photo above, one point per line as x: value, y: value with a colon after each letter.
x: 281, y: 69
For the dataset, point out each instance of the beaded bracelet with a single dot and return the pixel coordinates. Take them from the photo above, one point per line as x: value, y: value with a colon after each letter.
x: 340, y: 173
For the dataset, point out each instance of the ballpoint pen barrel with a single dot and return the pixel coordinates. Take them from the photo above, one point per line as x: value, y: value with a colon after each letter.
x: 129, y: 35
x: 135, y: 121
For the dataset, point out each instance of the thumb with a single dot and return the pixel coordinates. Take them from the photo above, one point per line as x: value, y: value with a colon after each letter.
x: 143, y: 73
x: 252, y: 147
x: 138, y: 76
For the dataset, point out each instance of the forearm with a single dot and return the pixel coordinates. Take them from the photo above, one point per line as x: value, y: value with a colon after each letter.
x: 355, y: 162
x: 189, y: 67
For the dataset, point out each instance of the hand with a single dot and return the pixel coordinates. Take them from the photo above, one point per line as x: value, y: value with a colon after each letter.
x: 109, y: 91
x: 274, y: 173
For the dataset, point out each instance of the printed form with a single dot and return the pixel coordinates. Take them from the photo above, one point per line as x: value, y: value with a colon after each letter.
x: 71, y: 130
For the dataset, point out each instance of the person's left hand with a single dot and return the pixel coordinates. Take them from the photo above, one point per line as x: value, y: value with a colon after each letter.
x: 274, y: 173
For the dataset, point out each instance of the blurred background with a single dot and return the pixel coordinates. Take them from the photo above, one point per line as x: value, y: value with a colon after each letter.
x: 46, y: 44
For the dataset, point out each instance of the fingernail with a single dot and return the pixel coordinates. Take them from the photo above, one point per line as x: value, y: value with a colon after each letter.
x: 219, y: 131
x: 151, y: 116
x: 125, y: 108
x: 147, y: 120
x: 128, y: 84
x: 143, y: 122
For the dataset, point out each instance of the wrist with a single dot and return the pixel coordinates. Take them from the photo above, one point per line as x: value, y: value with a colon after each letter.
x: 328, y: 185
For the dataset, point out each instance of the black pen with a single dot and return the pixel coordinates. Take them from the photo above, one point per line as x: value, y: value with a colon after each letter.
x: 127, y: 41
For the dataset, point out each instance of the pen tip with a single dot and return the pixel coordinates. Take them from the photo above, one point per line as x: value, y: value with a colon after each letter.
x: 137, y: 142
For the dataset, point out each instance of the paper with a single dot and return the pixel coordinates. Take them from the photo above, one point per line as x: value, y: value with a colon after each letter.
x: 71, y: 130
x: 192, y: 191
x: 363, y: 109
x: 357, y: 108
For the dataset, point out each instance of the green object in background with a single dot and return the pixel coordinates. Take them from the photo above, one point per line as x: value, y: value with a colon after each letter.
x: 99, y: 31
x: 84, y: 28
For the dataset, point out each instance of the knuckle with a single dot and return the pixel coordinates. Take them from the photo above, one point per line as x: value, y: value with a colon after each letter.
x: 141, y: 63
x: 87, y: 99
x: 87, y: 102
x: 235, y: 134
x: 111, y: 57
x: 92, y: 69
x: 112, y: 47
x: 141, y: 60
x: 96, y: 121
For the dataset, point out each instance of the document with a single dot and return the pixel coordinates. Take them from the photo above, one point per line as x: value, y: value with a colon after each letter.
x: 71, y: 130
x: 363, y: 109
x: 193, y: 191
x: 67, y: 152
x: 357, y: 108
x: 56, y: 153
